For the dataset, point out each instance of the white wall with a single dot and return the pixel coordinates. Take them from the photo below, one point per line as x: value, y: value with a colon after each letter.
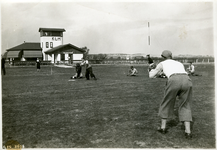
x: 58, y: 57
x: 66, y: 56
x: 77, y: 56
x: 54, y: 39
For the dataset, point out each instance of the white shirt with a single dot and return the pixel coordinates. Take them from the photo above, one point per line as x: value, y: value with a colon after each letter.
x: 86, y: 64
x: 168, y: 67
x: 191, y: 68
x: 133, y: 71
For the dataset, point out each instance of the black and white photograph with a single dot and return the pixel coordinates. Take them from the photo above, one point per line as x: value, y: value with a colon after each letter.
x: 108, y: 74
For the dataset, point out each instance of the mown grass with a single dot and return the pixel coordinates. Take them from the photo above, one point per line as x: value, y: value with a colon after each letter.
x: 44, y: 110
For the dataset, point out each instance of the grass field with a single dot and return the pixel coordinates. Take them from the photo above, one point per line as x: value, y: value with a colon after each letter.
x: 44, y: 110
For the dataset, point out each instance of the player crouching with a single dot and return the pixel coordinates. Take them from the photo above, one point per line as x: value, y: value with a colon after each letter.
x: 132, y: 71
x: 78, y: 74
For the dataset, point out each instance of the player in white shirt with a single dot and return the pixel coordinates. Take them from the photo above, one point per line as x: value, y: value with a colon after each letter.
x: 178, y: 84
x: 89, y: 70
x: 191, y: 69
x: 132, y: 71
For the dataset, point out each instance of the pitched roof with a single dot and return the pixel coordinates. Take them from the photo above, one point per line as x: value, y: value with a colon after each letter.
x: 64, y: 48
x: 26, y: 46
x: 51, y: 29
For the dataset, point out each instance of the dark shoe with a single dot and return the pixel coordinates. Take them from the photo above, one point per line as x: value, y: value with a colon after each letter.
x: 188, y: 135
x: 163, y: 131
x: 182, y: 126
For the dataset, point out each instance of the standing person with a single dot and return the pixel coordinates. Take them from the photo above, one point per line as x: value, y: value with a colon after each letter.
x: 88, y: 68
x: 191, y: 69
x: 3, y: 66
x: 132, y: 71
x: 178, y: 84
x: 38, y: 64
x: 150, y: 61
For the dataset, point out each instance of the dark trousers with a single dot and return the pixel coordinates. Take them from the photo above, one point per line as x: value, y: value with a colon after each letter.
x: 78, y: 73
x: 4, y: 71
x: 89, y: 72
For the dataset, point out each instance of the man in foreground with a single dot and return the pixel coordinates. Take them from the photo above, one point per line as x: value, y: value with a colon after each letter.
x: 178, y: 84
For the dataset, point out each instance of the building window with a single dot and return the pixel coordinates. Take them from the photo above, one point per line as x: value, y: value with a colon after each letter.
x: 51, y: 44
x: 47, y: 33
x: 56, y: 33
x: 47, y: 45
x: 62, y: 57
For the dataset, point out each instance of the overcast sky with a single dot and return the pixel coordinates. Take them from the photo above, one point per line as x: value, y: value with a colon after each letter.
x: 114, y: 27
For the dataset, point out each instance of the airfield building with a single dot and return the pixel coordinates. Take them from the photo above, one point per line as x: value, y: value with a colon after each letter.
x: 50, y: 48
x: 53, y: 48
x: 24, y: 52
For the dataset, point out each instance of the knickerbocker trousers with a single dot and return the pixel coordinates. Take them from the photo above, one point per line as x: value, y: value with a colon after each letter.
x: 177, y: 85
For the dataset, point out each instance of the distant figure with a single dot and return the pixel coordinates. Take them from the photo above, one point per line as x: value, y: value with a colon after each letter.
x: 132, y: 71
x: 159, y: 74
x: 78, y: 74
x: 38, y: 63
x: 150, y: 61
x: 3, y: 66
x: 89, y: 70
x: 151, y: 66
x: 191, y: 69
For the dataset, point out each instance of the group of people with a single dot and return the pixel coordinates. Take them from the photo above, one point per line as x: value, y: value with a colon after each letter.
x: 133, y: 71
x: 88, y: 70
x: 38, y: 63
x: 178, y: 85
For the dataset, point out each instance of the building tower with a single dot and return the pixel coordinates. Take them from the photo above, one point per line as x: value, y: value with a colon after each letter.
x: 50, y: 38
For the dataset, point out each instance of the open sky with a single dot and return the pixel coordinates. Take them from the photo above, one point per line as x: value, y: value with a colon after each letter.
x: 115, y: 26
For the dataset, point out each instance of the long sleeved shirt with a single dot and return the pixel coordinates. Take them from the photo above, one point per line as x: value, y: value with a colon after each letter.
x: 168, y: 67
x: 86, y: 64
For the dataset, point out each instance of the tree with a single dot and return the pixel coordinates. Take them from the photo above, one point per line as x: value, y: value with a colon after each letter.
x: 102, y: 56
x: 111, y: 58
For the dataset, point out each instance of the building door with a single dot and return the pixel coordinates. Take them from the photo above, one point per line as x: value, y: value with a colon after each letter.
x: 70, y: 58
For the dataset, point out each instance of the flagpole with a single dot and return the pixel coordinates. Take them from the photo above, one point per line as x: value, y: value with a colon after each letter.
x: 149, y: 38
